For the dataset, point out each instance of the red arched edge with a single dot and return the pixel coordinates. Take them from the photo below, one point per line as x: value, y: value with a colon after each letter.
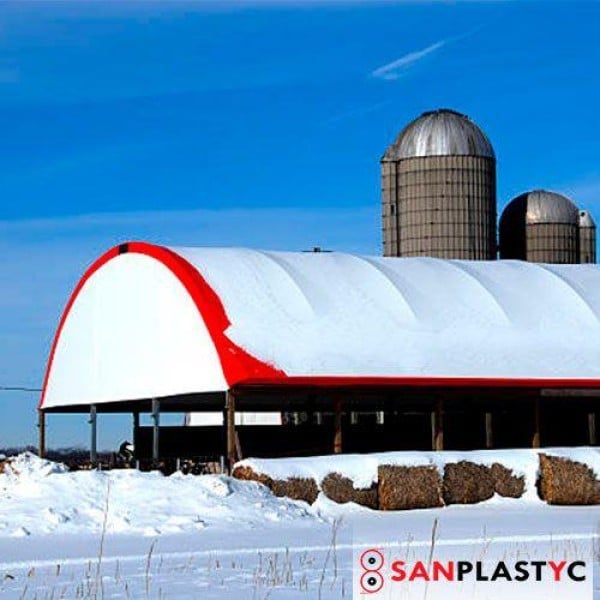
x: 236, y: 363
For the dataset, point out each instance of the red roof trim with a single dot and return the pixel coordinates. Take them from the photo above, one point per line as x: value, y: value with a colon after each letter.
x: 236, y: 363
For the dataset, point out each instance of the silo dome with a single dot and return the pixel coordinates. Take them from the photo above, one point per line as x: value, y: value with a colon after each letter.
x: 439, y: 189
x: 540, y: 226
x: 440, y: 132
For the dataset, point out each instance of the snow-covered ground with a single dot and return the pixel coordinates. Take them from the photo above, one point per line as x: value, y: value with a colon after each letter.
x: 124, y: 534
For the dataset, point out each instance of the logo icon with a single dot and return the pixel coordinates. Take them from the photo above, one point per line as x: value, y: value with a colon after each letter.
x: 371, y: 561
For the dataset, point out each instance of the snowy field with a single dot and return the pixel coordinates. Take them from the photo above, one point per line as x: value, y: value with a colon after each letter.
x: 125, y: 534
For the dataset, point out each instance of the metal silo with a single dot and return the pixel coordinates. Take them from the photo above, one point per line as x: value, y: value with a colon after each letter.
x: 439, y: 190
x: 587, y: 238
x: 540, y: 226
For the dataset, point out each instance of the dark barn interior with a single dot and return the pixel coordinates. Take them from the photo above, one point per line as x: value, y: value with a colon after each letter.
x: 363, y: 419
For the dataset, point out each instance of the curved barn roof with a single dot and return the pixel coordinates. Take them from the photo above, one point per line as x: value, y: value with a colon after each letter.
x: 148, y: 321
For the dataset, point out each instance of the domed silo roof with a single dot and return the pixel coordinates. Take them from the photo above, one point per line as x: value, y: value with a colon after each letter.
x: 541, y: 206
x: 540, y: 226
x: 585, y: 219
x: 440, y: 132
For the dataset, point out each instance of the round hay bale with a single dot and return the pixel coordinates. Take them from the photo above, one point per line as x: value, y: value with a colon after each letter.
x: 248, y: 474
x: 506, y: 483
x: 295, y: 488
x: 403, y: 488
x: 467, y: 483
x: 341, y: 489
x: 567, y: 482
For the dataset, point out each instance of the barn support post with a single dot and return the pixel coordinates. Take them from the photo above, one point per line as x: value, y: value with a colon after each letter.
x: 136, y: 428
x: 437, y: 426
x: 592, y: 435
x: 42, y: 433
x: 337, y: 435
x: 230, y: 430
x: 536, y: 440
x: 489, y: 431
x: 155, y: 431
x: 93, y: 435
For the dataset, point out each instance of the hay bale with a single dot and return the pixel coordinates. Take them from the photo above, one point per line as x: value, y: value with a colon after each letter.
x: 567, y: 482
x: 248, y: 474
x: 467, y: 483
x: 403, y: 488
x: 506, y: 483
x: 340, y: 489
x: 295, y: 488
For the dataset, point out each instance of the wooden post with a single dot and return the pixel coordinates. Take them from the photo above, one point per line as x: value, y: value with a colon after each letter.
x: 42, y: 433
x: 93, y: 435
x: 437, y: 426
x: 536, y: 441
x: 136, y: 427
x: 593, y: 439
x: 337, y: 435
x: 230, y: 425
x: 489, y: 432
x: 155, y: 431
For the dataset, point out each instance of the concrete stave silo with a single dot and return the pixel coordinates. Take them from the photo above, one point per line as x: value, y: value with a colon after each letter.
x: 439, y: 190
x: 587, y: 237
x: 540, y: 226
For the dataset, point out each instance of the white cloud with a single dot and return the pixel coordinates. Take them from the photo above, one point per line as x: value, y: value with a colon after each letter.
x: 393, y: 70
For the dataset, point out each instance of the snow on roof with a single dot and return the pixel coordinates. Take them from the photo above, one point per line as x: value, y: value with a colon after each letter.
x: 147, y: 321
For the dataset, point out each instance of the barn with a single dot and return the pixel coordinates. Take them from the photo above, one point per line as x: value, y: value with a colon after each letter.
x: 354, y: 353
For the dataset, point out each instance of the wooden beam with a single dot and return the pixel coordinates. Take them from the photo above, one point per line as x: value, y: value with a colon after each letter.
x: 93, y: 435
x: 230, y: 427
x: 337, y: 426
x: 536, y: 439
x: 489, y: 432
x: 136, y: 428
x: 437, y: 426
x: 155, y: 431
x: 592, y: 436
x: 42, y: 433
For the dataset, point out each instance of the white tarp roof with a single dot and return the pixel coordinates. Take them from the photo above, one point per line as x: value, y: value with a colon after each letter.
x: 150, y: 321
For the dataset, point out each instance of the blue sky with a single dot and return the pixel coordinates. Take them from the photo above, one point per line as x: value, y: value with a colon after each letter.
x: 254, y: 123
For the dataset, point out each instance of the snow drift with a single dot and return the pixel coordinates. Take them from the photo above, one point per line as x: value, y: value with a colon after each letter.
x: 40, y: 497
